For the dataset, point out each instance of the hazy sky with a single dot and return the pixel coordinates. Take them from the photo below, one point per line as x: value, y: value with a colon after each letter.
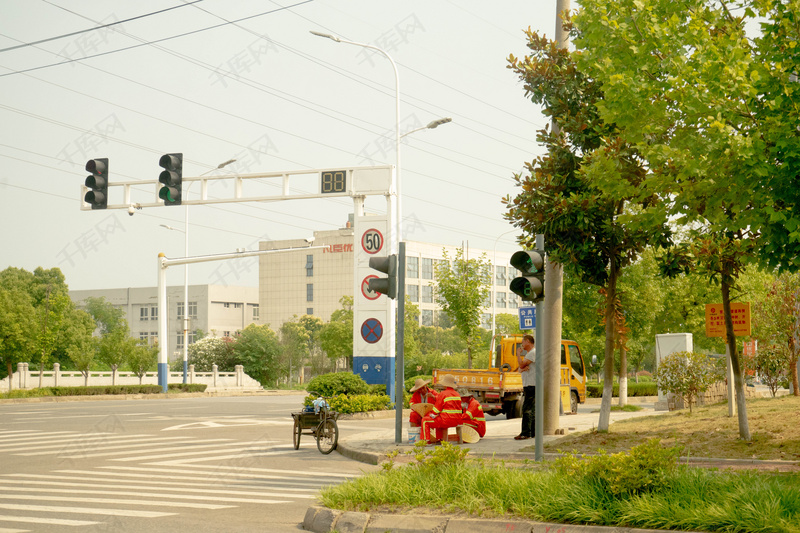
x: 265, y: 92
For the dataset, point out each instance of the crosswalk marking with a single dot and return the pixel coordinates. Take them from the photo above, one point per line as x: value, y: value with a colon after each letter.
x: 51, y: 449
x: 281, y: 480
x: 187, y: 493
x: 43, y: 520
x: 123, y: 449
x: 149, y: 503
x: 83, y: 510
x: 140, y: 494
x: 195, y: 451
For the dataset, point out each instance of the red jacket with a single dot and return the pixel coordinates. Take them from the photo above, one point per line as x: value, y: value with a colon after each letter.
x: 474, y: 417
x: 430, y: 397
x: 448, y: 408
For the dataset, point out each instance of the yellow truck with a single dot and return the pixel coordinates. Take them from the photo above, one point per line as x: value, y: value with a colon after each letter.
x: 499, y: 387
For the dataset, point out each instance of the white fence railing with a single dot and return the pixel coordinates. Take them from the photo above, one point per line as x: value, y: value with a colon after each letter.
x: 23, y: 378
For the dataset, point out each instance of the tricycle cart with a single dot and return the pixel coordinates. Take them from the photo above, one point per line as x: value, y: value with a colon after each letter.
x: 322, y: 425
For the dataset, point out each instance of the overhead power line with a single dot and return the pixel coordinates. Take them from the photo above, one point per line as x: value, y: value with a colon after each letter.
x: 23, y: 45
x: 154, y: 42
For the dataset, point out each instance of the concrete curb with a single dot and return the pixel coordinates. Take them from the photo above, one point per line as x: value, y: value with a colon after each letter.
x: 323, y: 520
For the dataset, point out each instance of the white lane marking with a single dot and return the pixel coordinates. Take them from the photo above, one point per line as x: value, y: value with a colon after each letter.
x: 49, y: 521
x: 150, y: 495
x: 219, y: 477
x: 215, y: 449
x: 125, y: 449
x: 188, y: 492
x: 226, y: 423
x: 82, y: 510
x: 177, y: 462
x: 103, y: 442
x: 149, y: 503
x: 269, y: 470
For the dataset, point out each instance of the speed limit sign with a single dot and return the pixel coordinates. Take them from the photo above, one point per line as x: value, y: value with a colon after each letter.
x: 372, y: 241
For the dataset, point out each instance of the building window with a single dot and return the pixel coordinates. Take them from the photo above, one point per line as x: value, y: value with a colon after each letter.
x: 442, y: 264
x: 500, y: 275
x: 427, y: 294
x: 513, y: 302
x: 226, y: 334
x: 427, y: 317
x: 310, y: 292
x: 179, y: 344
x: 413, y: 292
x: 487, y: 301
x: 412, y: 267
x: 427, y: 268
x: 309, y: 265
x: 144, y: 314
x: 486, y: 320
x: 500, y: 300
x: 154, y: 313
x: 226, y: 305
x: 256, y: 313
x: 238, y: 305
x: 193, y: 310
x: 310, y: 311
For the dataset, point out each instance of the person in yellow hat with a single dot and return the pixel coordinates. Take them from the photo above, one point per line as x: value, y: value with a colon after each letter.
x: 446, y: 411
x: 420, y: 393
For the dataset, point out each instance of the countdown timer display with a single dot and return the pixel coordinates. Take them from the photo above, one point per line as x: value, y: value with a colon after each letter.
x: 332, y: 181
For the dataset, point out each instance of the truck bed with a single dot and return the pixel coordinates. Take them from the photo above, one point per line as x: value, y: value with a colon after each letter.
x: 484, y: 379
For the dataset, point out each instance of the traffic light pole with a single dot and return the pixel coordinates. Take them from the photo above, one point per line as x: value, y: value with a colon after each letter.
x: 399, y: 385
x: 538, y: 447
x: 163, y: 264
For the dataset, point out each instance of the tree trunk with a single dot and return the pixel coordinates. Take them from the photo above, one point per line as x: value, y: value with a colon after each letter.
x: 793, y: 366
x: 738, y: 379
x: 113, y: 375
x: 623, y: 377
x: 608, y: 368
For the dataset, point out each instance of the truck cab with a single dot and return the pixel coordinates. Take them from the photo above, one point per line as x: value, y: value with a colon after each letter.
x: 573, y: 369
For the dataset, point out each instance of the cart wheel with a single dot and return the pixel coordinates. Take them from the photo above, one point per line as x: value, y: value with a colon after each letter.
x: 327, y: 436
x: 296, y: 433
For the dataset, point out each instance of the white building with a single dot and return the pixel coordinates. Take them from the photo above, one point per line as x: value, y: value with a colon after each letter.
x: 311, y: 282
x: 216, y: 309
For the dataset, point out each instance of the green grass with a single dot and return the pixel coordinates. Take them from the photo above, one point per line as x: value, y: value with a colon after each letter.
x: 688, y: 499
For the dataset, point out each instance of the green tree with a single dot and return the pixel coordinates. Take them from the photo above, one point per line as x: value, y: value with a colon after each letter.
x: 16, y: 321
x: 771, y: 363
x: 212, y: 351
x: 336, y: 337
x: 713, y: 113
x: 584, y: 194
x: 115, y: 348
x: 294, y: 348
x: 313, y: 325
x: 143, y: 358
x: 258, y: 350
x: 461, y: 290
x: 776, y: 320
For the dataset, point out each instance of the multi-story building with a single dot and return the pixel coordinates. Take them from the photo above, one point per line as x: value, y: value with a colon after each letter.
x: 302, y: 281
x: 216, y: 309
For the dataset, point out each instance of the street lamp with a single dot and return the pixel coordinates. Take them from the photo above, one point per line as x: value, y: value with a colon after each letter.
x: 185, y: 232
x: 431, y: 125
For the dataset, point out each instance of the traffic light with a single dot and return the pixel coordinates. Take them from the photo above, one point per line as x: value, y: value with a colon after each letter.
x: 387, y: 285
x: 530, y: 284
x: 98, y: 183
x: 172, y: 178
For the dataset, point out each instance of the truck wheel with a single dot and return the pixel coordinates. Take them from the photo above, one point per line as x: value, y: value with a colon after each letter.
x: 505, y: 367
x: 573, y: 402
x: 513, y: 409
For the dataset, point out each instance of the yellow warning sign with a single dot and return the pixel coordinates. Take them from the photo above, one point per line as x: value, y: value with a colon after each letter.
x: 715, y: 319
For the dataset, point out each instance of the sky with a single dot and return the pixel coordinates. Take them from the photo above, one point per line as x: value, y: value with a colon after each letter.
x: 246, y: 80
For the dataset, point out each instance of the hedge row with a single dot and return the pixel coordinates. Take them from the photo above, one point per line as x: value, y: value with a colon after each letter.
x: 595, y: 390
x: 357, y: 403
x: 125, y: 389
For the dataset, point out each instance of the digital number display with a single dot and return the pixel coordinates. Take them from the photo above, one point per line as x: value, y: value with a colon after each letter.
x: 333, y: 181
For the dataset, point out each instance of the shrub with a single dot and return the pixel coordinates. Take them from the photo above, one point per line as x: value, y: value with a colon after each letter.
x: 339, y: 383
x: 772, y: 364
x: 106, y: 389
x: 187, y: 387
x: 644, y: 468
x: 595, y: 390
x: 377, y: 389
x: 687, y: 374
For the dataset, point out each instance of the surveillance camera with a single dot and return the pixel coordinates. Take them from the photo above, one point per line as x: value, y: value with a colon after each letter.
x: 310, y: 240
x: 131, y: 210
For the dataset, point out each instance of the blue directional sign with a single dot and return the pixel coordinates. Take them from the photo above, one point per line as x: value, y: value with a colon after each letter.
x: 527, y: 318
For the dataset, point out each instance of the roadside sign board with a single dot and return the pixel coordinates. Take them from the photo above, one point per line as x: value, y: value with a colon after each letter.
x: 715, y: 319
x: 527, y: 318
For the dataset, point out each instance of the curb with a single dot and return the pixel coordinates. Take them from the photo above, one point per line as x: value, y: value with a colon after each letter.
x: 324, y: 520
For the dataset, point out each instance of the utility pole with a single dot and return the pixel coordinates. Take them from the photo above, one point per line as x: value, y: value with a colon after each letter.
x: 554, y: 279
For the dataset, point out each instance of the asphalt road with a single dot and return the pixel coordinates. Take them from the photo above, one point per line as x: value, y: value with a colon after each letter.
x: 217, y: 464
